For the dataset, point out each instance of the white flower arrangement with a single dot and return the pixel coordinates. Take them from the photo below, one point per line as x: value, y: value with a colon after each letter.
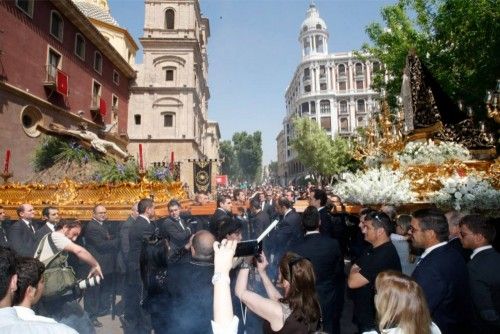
x: 375, y: 186
x: 430, y: 153
x: 469, y: 194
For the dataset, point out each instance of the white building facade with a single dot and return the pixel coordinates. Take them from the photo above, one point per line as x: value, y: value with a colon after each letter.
x: 332, y: 89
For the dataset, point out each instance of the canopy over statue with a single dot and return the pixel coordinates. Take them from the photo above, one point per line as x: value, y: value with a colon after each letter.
x: 431, y: 114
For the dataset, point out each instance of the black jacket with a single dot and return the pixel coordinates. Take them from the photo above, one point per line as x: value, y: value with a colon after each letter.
x: 218, y: 215
x: 99, y: 243
x: 443, y: 276
x: 40, y: 233
x: 22, y: 239
x: 485, y: 290
x: 139, y: 231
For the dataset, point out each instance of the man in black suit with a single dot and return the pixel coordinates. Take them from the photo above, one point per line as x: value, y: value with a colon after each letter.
x: 97, y: 301
x: 453, y: 218
x: 330, y: 226
x: 328, y: 263
x: 50, y: 216
x: 441, y: 272
x: 286, y: 233
x: 269, y: 207
x: 382, y: 256
x: 176, y: 231
x: 260, y: 219
x: 477, y: 234
x: 4, y: 242
x: 224, y: 207
x: 124, y: 244
x: 134, y: 320
x: 21, y: 234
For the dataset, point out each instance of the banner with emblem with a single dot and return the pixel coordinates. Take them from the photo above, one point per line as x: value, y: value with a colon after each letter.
x: 202, y: 176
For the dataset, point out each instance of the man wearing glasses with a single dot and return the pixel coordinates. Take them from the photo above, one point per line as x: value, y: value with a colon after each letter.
x: 441, y: 272
x: 97, y: 301
x: 376, y: 228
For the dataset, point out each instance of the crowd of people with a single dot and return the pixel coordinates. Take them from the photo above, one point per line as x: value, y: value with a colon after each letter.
x: 428, y: 272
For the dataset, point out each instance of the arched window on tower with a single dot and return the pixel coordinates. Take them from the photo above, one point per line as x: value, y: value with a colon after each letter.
x: 318, y: 26
x: 319, y: 44
x: 324, y: 106
x: 169, y: 19
x: 307, y: 46
x: 341, y: 70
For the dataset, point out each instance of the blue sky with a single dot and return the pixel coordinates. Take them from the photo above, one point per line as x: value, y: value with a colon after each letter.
x: 253, y: 52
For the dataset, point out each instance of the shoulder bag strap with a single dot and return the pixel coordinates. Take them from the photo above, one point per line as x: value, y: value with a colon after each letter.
x: 53, y: 248
x: 39, y: 248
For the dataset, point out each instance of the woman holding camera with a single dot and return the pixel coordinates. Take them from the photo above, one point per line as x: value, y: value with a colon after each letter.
x: 298, y: 311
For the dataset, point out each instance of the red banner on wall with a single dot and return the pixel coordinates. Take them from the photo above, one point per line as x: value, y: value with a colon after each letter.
x: 102, y: 107
x: 221, y: 180
x: 62, y: 83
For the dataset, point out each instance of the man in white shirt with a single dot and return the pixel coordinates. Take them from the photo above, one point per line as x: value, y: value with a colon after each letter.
x: 30, y: 285
x: 12, y: 322
x: 64, y: 308
x: 51, y: 217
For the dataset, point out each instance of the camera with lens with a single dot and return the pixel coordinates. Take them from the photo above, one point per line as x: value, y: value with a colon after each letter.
x: 88, y: 282
x: 76, y: 291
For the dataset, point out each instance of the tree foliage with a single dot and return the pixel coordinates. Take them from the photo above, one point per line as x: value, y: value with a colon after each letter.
x: 248, y: 150
x: 226, y: 154
x: 322, y: 156
x: 242, y: 157
x: 458, y: 40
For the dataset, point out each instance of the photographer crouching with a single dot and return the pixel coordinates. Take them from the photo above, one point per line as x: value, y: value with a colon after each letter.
x: 61, y: 286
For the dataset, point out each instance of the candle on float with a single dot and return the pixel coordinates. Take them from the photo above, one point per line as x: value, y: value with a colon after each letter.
x: 141, y: 161
x: 7, y: 161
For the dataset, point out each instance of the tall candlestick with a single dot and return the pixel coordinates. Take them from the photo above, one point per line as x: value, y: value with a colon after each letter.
x: 141, y: 161
x: 7, y: 162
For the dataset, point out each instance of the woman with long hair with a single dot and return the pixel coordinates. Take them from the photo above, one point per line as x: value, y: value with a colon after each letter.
x: 401, y: 306
x: 298, y: 311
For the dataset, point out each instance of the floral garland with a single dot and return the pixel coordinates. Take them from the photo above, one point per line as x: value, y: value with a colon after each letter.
x: 469, y: 193
x: 430, y: 153
x: 375, y: 186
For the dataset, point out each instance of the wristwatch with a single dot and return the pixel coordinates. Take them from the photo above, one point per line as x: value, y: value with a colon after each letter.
x: 219, y: 278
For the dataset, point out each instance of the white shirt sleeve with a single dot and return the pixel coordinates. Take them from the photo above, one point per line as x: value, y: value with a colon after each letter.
x: 60, y: 240
x: 231, y: 328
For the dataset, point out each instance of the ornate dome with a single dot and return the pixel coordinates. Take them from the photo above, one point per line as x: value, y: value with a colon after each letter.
x: 96, y: 11
x: 313, y: 21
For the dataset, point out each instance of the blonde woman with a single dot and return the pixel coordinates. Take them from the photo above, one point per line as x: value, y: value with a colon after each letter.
x: 401, y: 306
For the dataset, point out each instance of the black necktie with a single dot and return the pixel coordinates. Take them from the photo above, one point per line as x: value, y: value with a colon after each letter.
x: 31, y: 227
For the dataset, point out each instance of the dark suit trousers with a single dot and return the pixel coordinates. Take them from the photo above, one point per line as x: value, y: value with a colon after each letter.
x: 98, y: 298
x: 136, y: 318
